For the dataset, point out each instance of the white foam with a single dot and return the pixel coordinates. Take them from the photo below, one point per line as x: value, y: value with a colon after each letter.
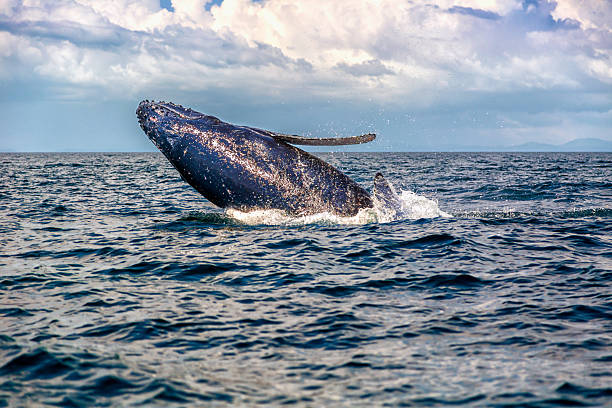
x: 414, y: 207
x: 277, y: 217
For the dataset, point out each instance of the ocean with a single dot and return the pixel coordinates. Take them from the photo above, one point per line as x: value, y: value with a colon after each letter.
x: 122, y: 286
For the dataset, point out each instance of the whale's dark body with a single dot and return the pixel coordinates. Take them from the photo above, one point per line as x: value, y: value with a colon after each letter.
x: 245, y: 168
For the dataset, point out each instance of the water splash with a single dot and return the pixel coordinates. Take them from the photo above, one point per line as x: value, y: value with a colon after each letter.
x: 277, y: 217
x: 417, y: 206
x: 414, y: 207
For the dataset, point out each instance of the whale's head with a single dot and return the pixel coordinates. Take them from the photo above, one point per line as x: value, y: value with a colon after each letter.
x: 167, y: 124
x: 204, y: 150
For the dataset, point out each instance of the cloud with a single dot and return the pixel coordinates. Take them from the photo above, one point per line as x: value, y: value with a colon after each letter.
x: 437, y: 44
x: 78, y: 34
x: 373, y: 68
x: 405, y: 55
x: 591, y: 14
x: 489, y: 15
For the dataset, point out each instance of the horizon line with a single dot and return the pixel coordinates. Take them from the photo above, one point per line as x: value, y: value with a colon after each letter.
x: 328, y: 151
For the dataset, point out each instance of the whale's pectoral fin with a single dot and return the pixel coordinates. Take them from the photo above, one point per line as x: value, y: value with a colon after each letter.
x: 315, y: 141
x: 325, y: 141
x: 386, y: 197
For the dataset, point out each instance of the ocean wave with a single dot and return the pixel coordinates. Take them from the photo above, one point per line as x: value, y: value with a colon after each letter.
x: 121, y: 286
x: 509, y: 213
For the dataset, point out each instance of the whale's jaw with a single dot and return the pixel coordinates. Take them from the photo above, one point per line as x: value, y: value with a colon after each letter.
x: 166, y: 110
x: 161, y: 122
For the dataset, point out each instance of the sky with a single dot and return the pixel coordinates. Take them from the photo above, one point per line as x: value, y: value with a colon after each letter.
x: 422, y: 74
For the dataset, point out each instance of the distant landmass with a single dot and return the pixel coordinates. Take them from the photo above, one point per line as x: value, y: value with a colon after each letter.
x: 576, y: 145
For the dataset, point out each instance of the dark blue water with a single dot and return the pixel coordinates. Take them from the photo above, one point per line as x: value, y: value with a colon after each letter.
x: 120, y: 285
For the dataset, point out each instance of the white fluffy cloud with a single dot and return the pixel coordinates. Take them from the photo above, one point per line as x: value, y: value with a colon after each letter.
x: 377, y: 46
x: 410, y: 54
x: 591, y: 14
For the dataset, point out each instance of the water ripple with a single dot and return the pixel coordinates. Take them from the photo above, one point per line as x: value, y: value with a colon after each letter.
x: 121, y: 286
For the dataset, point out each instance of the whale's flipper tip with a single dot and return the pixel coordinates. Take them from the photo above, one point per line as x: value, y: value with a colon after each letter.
x: 386, y: 197
x: 324, y: 141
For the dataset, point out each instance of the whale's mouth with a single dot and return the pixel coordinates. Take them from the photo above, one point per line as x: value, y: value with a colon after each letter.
x: 158, y: 119
x: 164, y: 110
x: 154, y: 116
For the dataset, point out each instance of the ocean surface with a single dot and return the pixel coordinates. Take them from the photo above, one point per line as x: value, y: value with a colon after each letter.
x: 122, y: 286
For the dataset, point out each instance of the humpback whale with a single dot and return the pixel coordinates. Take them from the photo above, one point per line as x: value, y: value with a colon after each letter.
x: 247, y: 169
